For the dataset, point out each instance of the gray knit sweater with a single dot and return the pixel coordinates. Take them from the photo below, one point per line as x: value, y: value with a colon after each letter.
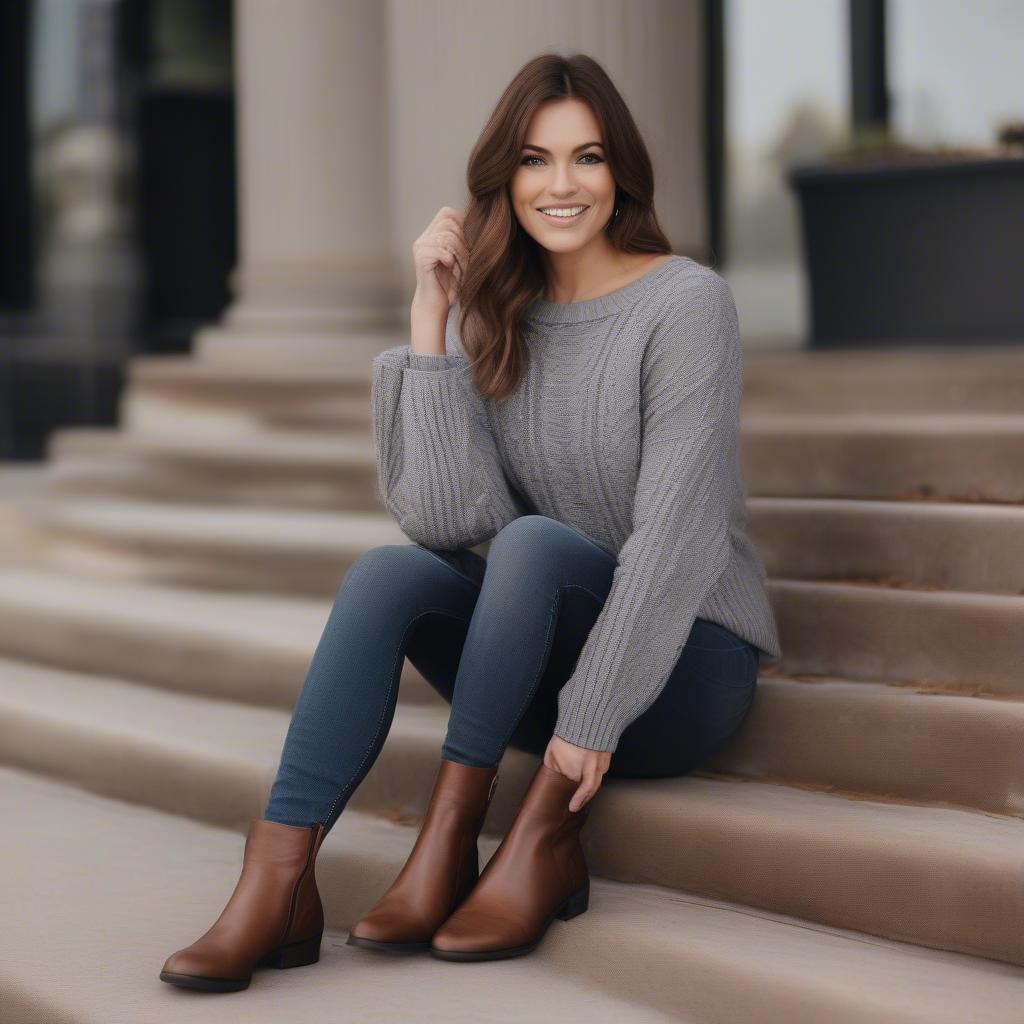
x: 625, y: 426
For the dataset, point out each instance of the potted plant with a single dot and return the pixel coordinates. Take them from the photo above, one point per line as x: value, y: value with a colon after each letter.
x: 908, y: 245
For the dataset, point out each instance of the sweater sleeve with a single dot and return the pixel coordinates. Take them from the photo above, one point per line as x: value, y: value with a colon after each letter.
x: 680, y: 545
x: 439, y: 472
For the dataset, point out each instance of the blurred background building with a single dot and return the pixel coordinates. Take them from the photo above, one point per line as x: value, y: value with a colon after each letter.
x: 118, y: 225
x: 137, y: 207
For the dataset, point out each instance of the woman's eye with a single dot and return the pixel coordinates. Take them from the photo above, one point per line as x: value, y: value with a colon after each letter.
x: 525, y: 161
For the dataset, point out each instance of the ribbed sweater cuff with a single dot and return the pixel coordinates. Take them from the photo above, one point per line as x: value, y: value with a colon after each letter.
x: 581, y: 735
x: 421, y: 361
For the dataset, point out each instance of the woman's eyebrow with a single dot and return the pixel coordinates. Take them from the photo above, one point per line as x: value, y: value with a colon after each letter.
x: 541, y: 149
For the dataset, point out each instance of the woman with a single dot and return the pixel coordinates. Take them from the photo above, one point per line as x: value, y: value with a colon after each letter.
x: 571, y: 392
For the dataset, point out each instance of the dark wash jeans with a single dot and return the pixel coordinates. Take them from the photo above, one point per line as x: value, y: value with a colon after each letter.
x: 497, y: 638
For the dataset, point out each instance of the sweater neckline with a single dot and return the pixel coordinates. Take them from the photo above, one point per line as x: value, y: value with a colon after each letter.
x: 602, y: 305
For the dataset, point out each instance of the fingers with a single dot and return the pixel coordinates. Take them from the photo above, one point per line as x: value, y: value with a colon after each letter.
x: 434, y: 254
x: 447, y: 228
x: 589, y: 785
x: 454, y: 242
x: 448, y: 213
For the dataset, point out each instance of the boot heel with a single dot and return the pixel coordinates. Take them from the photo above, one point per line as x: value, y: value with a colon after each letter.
x: 575, y: 904
x: 298, y: 954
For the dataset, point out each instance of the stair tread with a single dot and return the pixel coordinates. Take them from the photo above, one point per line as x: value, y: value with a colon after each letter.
x: 948, y: 598
x: 155, y: 882
x: 278, y: 635
x: 186, y: 369
x: 219, y: 729
x: 348, y: 528
x: 285, y: 529
x: 975, y: 513
x: 284, y: 448
x: 291, y: 620
x: 876, y: 423
x: 252, y: 736
x: 252, y: 647
x: 45, y: 588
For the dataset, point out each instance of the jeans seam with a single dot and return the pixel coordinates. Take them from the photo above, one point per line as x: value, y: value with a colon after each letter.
x: 395, y: 680
x: 586, y: 590
x: 547, y: 645
x: 549, y: 636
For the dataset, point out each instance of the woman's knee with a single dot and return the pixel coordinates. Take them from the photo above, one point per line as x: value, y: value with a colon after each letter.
x: 528, y: 535
x: 537, y: 544
x: 384, y: 567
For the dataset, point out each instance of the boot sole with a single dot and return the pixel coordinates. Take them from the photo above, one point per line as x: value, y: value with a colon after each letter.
x: 387, y: 947
x: 575, y: 905
x: 296, y: 954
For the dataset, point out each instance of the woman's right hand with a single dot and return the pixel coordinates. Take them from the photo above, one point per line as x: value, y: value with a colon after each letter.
x: 441, y: 257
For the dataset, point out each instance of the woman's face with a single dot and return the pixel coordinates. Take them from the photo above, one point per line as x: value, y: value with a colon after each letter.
x: 562, y: 165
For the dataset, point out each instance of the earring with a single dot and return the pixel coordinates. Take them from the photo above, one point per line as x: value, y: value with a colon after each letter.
x: 616, y: 213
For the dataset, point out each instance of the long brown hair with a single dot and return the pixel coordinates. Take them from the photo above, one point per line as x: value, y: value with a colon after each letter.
x: 505, y: 272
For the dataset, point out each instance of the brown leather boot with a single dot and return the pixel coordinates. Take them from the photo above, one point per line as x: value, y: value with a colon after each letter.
x: 441, y: 869
x: 538, y: 873
x: 274, y: 917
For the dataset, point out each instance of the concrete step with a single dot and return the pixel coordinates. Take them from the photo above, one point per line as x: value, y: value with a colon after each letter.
x: 822, y: 729
x: 20, y: 484
x: 290, y: 551
x: 156, y: 882
x: 938, y: 641
x: 136, y: 478
x: 907, y: 456
x: 887, y: 741
x: 955, y: 456
x: 309, y: 347
x: 940, y: 545
x: 242, y: 382
x: 892, y: 742
x: 221, y: 755
x: 918, y: 379
x: 306, y: 551
x: 269, y: 468
x: 176, y: 394
x: 943, y: 877
x: 253, y: 648
x: 640, y: 953
x: 256, y: 647
x: 927, y: 379
x: 342, y: 415
x: 146, y: 412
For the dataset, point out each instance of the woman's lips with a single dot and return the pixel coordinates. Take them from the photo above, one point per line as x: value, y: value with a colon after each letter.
x: 564, y: 220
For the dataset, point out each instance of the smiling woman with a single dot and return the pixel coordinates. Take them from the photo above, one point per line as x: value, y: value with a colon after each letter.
x: 618, y: 619
x: 579, y: 409
x: 562, y: 208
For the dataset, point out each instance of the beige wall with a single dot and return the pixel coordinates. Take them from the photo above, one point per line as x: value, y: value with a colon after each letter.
x: 449, y: 61
x: 357, y: 117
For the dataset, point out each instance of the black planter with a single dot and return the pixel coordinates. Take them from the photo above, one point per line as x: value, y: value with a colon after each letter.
x: 914, y: 254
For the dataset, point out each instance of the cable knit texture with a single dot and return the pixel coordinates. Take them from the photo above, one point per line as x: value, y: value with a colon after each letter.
x: 625, y: 426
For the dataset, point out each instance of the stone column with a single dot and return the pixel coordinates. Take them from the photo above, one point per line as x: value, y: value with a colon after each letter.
x: 315, y: 261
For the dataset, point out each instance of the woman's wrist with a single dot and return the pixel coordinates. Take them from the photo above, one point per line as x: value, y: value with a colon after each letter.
x: 427, y: 326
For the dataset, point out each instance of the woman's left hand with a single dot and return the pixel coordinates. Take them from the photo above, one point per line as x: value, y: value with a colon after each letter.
x: 580, y: 763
